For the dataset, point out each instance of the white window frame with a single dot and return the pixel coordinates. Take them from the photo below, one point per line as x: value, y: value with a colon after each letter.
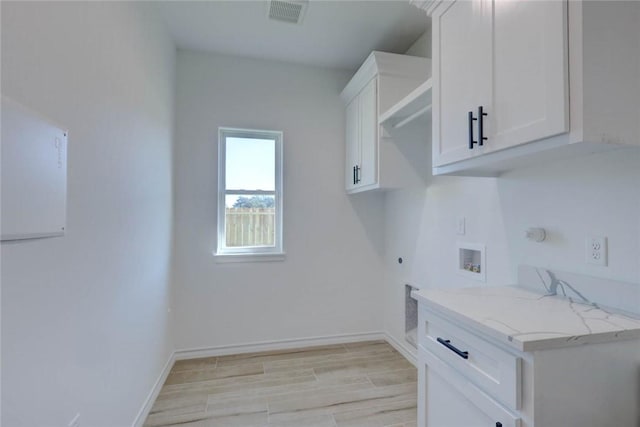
x: 253, y: 253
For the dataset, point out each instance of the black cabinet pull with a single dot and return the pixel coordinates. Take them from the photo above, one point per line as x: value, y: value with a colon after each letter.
x: 481, y: 137
x: 470, y: 120
x: 498, y: 424
x: 354, y: 174
x: 447, y: 343
x: 357, y: 174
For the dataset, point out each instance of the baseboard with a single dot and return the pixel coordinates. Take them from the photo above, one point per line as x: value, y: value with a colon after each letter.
x: 155, y: 390
x: 192, y: 353
x: 402, y: 349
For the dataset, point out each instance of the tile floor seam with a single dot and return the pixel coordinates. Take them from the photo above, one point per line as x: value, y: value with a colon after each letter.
x: 369, y: 379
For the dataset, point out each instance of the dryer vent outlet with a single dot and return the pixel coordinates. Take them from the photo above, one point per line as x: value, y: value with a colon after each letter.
x: 291, y: 11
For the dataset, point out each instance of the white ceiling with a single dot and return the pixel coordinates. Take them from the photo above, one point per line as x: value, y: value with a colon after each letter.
x: 333, y: 33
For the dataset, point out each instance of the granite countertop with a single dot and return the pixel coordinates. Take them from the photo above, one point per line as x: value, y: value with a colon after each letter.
x: 529, y: 320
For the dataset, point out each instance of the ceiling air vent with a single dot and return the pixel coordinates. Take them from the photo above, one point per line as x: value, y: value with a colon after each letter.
x: 287, y: 10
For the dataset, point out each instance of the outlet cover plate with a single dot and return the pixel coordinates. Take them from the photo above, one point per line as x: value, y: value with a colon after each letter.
x: 596, y: 250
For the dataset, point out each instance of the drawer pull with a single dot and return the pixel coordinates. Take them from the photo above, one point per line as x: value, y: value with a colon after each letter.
x: 447, y: 343
x: 498, y: 424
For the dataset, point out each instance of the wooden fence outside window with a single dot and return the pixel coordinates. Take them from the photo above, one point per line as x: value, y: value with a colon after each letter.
x: 250, y: 226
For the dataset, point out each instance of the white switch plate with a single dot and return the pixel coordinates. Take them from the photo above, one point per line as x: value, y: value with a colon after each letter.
x: 461, y: 225
x: 75, y: 422
x: 596, y: 250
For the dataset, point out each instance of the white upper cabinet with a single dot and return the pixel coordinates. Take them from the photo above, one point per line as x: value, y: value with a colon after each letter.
x: 361, y: 139
x: 530, y: 96
x: 353, y: 141
x: 382, y: 80
x: 517, y: 83
x: 367, y: 173
x: 500, y: 76
x: 461, y: 76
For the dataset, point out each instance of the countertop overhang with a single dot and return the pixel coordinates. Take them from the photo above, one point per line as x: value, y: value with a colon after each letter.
x: 529, y: 321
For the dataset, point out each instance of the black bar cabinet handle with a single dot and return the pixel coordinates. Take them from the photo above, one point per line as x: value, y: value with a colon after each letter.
x: 471, y: 119
x: 447, y: 343
x: 354, y: 174
x: 481, y: 137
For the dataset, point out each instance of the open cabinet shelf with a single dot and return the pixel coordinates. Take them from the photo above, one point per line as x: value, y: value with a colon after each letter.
x: 416, y: 106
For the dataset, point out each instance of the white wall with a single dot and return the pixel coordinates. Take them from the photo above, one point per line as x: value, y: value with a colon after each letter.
x: 84, y: 317
x: 596, y: 195
x: 330, y: 282
x: 422, y: 45
x: 591, y: 195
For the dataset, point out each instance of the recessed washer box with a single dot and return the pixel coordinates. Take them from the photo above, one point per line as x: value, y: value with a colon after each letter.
x: 471, y: 261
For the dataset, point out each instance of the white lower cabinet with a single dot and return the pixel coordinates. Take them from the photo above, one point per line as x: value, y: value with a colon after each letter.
x: 453, y: 401
x: 464, y: 381
x: 467, y: 379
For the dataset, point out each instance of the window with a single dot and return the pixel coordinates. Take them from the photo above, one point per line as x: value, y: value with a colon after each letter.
x: 249, y: 193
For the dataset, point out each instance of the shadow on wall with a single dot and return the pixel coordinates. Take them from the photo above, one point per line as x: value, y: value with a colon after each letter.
x: 410, y: 147
x: 595, y: 195
x: 364, y: 204
x: 421, y: 220
x: 409, y: 157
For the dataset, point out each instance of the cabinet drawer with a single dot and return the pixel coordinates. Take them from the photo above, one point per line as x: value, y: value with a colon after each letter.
x: 451, y: 400
x: 492, y: 369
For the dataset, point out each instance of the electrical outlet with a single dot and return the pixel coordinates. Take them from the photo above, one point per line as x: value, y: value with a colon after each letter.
x: 596, y: 250
x: 461, y: 225
x: 75, y: 422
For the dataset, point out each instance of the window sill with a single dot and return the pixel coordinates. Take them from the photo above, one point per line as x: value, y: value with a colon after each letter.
x: 268, y: 257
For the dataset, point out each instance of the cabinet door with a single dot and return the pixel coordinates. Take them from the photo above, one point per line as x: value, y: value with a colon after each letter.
x: 447, y: 399
x: 352, y: 142
x: 368, y: 174
x: 530, y: 73
x: 462, y: 75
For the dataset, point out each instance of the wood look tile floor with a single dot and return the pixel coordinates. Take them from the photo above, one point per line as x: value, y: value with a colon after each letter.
x: 366, y: 384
